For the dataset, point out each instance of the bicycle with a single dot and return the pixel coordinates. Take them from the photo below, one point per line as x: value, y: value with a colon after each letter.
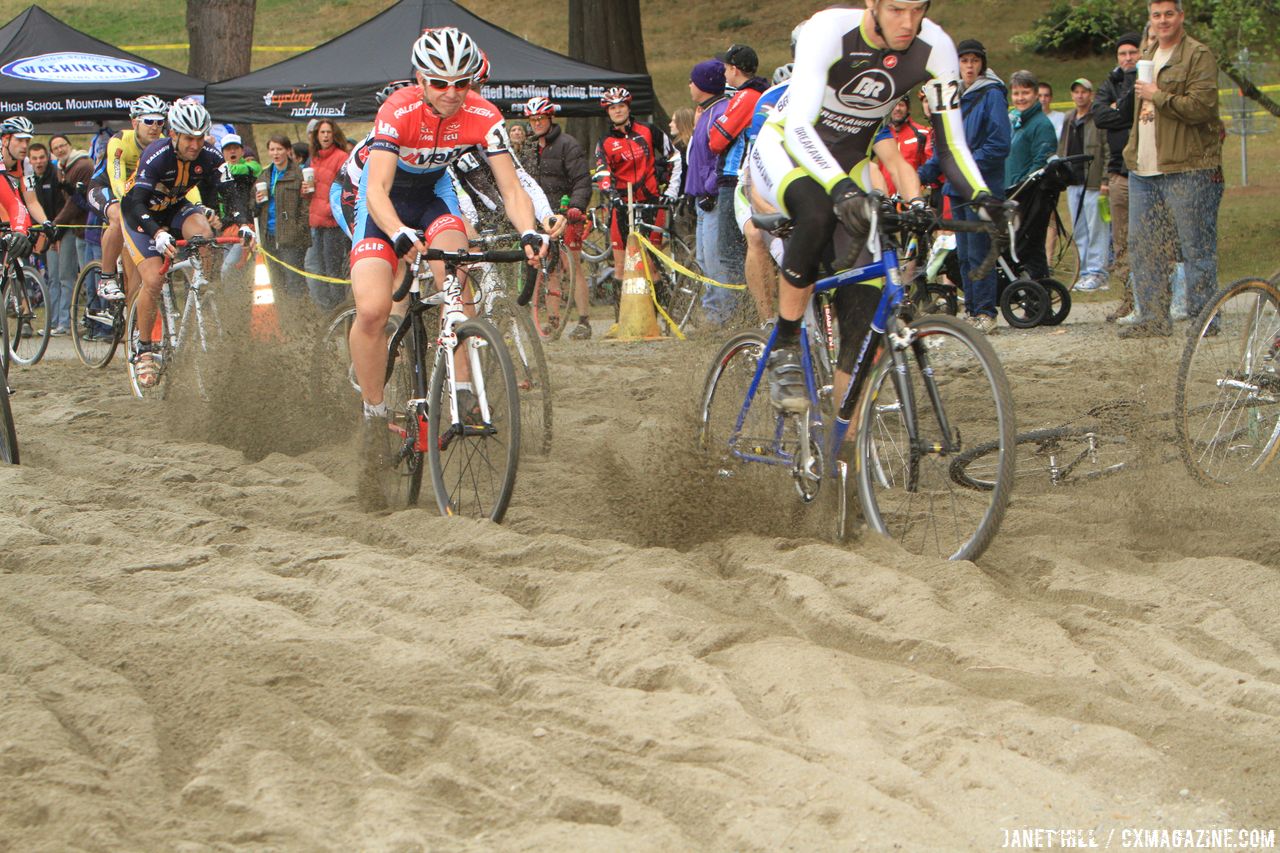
x: 25, y: 297
x: 97, y: 324
x: 518, y: 333
x: 901, y: 457
x: 1227, y: 400
x: 472, y: 450
x: 173, y: 333
x: 1082, y: 450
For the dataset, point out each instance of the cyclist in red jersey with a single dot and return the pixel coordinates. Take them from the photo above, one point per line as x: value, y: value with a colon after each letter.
x: 419, y: 131
x: 631, y: 155
x: 18, y: 241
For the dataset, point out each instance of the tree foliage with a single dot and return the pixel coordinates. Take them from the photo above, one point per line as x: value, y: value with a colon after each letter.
x: 1084, y: 28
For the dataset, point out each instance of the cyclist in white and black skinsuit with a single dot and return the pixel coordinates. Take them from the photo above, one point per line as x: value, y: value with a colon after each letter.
x: 811, y: 160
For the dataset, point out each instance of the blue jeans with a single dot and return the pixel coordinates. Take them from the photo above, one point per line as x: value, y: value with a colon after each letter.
x: 1092, y: 236
x: 979, y: 295
x: 328, y: 257
x: 63, y: 267
x: 717, y: 303
x: 1165, y: 212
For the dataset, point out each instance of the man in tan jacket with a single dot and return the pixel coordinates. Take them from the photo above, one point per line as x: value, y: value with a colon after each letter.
x: 1174, y: 157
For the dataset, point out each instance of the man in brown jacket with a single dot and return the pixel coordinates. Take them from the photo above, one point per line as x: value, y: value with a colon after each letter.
x: 1174, y: 157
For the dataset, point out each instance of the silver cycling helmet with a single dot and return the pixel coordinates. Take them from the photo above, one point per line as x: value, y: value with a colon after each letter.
x: 148, y: 105
x: 19, y: 125
x: 446, y: 52
x: 782, y: 73
x: 189, y: 117
x: 390, y: 89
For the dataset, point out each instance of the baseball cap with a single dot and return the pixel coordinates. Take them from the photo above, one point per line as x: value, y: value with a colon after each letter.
x: 741, y: 57
x: 708, y: 76
x: 1081, y: 81
x: 232, y: 139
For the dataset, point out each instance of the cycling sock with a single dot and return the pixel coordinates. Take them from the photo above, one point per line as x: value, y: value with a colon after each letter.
x: 378, y: 411
x: 582, y: 320
x: 788, y: 332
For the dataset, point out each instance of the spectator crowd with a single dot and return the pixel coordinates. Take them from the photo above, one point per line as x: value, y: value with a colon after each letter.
x: 1142, y: 209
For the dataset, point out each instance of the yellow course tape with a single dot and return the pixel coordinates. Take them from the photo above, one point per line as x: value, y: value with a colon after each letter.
x: 286, y: 48
x: 653, y: 294
x: 302, y: 273
x: 668, y: 261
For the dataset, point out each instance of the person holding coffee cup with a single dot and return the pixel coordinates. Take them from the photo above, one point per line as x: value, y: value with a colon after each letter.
x: 1174, y: 157
x: 282, y: 219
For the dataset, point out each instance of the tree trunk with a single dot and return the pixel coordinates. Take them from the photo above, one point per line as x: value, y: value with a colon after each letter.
x: 1249, y: 89
x: 607, y: 33
x: 220, y: 33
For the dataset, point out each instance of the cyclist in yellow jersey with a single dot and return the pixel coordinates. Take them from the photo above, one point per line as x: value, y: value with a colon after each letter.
x: 112, y: 179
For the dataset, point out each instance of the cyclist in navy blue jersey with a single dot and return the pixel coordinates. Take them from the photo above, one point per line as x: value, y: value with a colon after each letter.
x: 155, y: 212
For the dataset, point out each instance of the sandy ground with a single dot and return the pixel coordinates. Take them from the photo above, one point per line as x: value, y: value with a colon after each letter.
x: 205, y: 645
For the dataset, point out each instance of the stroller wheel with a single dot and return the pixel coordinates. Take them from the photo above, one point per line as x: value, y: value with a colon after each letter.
x: 941, y: 299
x: 1059, y: 302
x: 1024, y: 303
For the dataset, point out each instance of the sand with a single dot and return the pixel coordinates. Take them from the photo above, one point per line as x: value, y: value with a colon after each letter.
x: 205, y: 645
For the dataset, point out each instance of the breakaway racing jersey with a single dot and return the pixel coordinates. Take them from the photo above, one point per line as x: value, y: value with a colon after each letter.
x: 426, y: 143
x: 843, y: 87
x: 476, y: 183
x: 163, y: 179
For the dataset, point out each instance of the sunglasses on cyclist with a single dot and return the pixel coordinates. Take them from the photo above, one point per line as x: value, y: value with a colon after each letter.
x: 152, y: 122
x: 440, y: 84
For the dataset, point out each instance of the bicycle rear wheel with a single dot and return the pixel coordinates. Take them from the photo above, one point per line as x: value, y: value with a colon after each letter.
x: 27, y: 312
x: 1048, y: 457
x: 161, y: 337
x: 331, y: 367
x: 905, y: 487
x: 532, y: 377
x: 473, y: 459
x: 1227, y: 402
x: 96, y: 325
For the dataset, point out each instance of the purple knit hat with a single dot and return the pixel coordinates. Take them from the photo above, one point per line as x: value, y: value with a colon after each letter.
x: 708, y: 76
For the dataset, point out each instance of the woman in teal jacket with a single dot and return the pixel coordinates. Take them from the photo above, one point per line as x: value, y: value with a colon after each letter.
x: 1032, y: 144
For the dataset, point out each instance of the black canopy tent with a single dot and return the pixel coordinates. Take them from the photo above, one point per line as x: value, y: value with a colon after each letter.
x: 339, y: 78
x: 52, y: 72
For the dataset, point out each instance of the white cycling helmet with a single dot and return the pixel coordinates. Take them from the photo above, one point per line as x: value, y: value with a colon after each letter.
x: 189, y: 117
x: 390, y: 89
x: 148, y: 105
x: 446, y: 52
x: 782, y: 73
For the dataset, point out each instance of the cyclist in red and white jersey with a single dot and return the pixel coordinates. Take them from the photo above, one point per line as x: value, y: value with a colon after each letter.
x: 418, y: 133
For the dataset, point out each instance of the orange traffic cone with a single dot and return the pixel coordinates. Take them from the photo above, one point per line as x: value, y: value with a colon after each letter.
x: 264, y: 324
x: 636, y: 318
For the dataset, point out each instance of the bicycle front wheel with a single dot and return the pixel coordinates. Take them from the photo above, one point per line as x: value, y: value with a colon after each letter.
x: 678, y: 292
x: 952, y: 394
x: 1227, y: 403
x: 473, y: 442
x: 332, y: 372
x: 96, y: 325
x: 149, y: 384
x: 27, y: 312
x: 533, y: 380
x: 726, y: 397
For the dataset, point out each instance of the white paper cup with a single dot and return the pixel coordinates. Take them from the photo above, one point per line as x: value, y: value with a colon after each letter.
x: 308, y: 174
x: 1146, y: 70
x: 261, y: 187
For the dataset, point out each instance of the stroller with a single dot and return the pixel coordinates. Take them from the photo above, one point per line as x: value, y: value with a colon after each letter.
x: 1024, y: 302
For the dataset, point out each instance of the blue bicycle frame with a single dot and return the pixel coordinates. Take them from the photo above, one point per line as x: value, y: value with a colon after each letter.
x: 890, y: 298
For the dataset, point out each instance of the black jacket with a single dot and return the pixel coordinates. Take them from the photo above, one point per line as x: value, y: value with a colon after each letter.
x: 48, y: 191
x: 1118, y: 120
x: 560, y: 168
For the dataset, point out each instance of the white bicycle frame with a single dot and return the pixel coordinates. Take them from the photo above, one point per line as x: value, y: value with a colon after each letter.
x: 452, y: 313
